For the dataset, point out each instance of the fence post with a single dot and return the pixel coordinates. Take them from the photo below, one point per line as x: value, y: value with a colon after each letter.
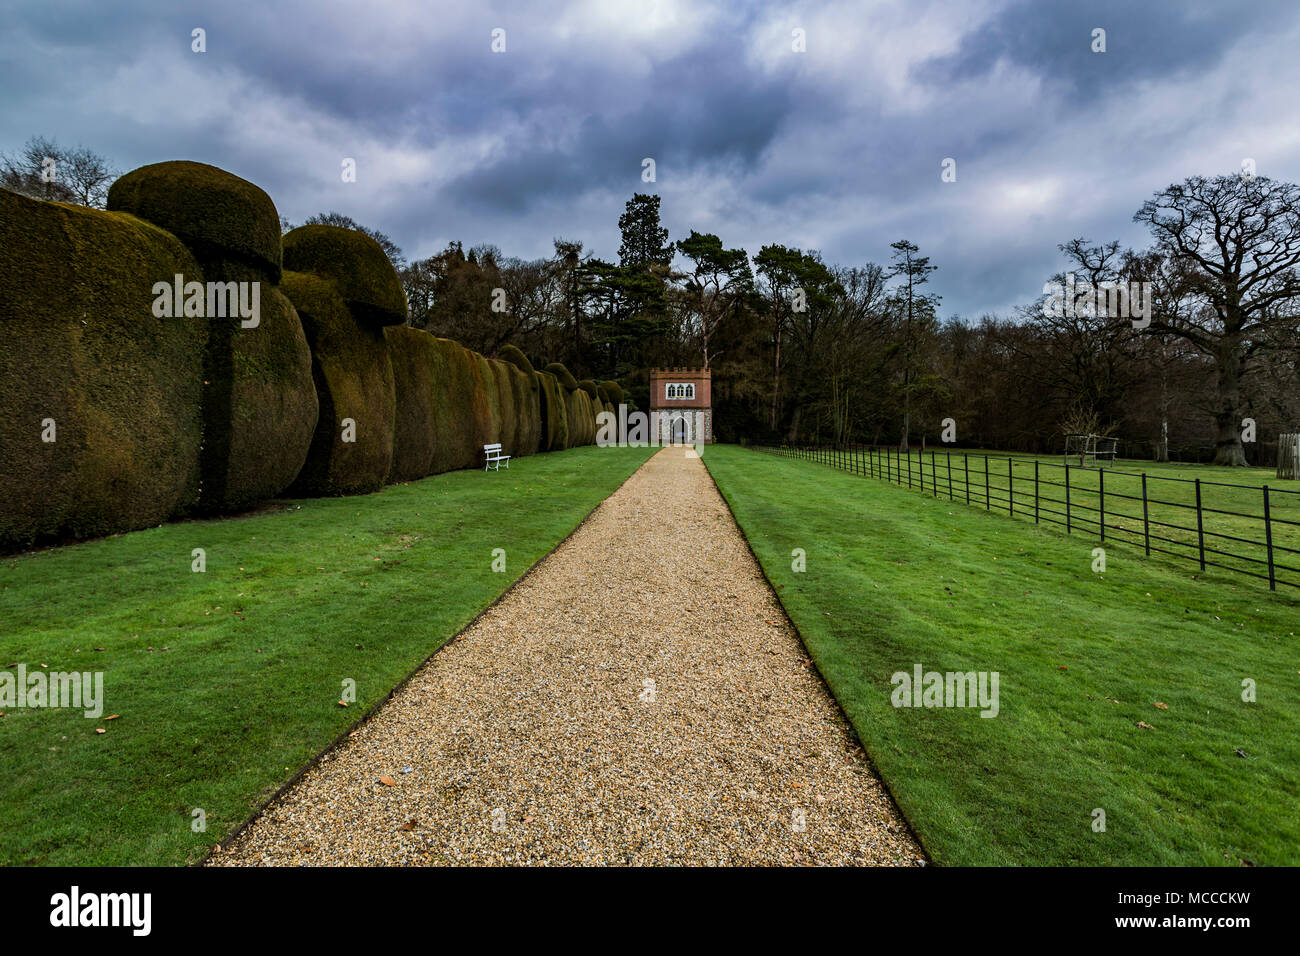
x: 1146, y: 518
x: 1067, y: 497
x: 909, y: 466
x: 1011, y: 481
x: 1035, y: 491
x: 934, y: 475
x: 950, y: 476
x: 1200, y: 526
x: 986, y: 482
x: 1268, y: 537
x: 965, y: 463
x: 1101, y: 500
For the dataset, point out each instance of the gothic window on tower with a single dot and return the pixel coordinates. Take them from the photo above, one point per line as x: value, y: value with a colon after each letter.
x: 680, y: 391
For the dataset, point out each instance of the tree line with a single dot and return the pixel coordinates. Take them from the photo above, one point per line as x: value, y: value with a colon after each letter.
x: 1201, y: 361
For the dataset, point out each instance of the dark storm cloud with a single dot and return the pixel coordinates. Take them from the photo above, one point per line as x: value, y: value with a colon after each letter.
x: 691, y: 117
x: 838, y: 148
x: 1143, y: 40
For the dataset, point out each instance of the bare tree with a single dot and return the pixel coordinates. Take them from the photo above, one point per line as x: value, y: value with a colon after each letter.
x: 45, y: 170
x: 1237, y: 240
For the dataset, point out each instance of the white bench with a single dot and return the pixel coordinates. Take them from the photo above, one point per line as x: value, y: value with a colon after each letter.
x: 492, y: 457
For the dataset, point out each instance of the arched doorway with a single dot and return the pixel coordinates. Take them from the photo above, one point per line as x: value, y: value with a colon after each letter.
x: 679, y: 431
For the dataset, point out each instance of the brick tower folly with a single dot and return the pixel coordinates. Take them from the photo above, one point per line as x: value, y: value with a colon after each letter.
x: 681, y: 403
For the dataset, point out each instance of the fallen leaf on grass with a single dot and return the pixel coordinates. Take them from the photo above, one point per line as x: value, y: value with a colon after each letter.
x: 112, y: 716
x: 1144, y: 725
x: 100, y: 730
x: 1161, y: 705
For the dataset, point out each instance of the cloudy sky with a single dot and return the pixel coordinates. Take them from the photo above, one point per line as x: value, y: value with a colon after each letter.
x: 839, y: 147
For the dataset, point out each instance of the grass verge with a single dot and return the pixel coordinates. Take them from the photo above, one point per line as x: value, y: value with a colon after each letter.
x: 894, y: 579
x: 225, y: 682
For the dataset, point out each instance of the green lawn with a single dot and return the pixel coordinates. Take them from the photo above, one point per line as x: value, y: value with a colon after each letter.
x: 226, y: 682
x: 895, y: 578
x: 1231, y: 527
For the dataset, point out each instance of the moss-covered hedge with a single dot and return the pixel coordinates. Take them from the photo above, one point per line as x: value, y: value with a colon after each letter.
x: 365, y: 278
x: 516, y: 358
x: 354, y: 380
x: 501, y: 413
x: 590, y: 387
x: 207, y: 208
x: 566, y: 380
x: 614, y: 393
x: 413, y: 354
x: 524, y: 397
x: 259, y: 402
x: 553, y: 412
x: 459, y: 407
x: 79, y: 344
x: 582, y: 418
x: 259, y: 405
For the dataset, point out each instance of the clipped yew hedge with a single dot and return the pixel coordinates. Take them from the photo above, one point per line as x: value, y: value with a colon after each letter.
x: 516, y: 358
x: 501, y: 421
x: 365, y: 278
x: 79, y: 344
x: 459, y: 407
x: 413, y: 354
x: 215, y: 213
x: 528, y: 401
x: 566, y: 379
x: 258, y: 433
x: 614, y: 393
x: 582, y: 418
x: 354, y: 380
x: 259, y: 401
x: 554, y: 413
x: 327, y: 394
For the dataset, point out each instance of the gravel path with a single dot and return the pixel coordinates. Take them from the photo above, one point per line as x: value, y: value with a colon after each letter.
x: 638, y: 698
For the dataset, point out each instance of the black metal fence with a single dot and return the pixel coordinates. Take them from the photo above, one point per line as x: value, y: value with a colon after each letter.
x: 1101, y: 501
